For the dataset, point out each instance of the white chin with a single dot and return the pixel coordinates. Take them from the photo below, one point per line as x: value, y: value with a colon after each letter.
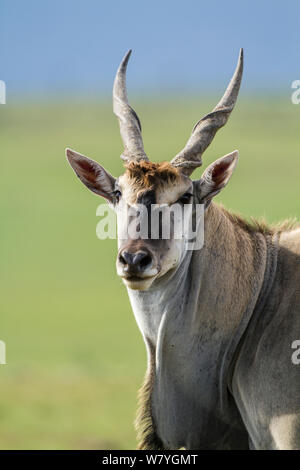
x: 141, y: 284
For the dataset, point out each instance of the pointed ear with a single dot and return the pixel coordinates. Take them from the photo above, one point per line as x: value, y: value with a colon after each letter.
x: 92, y: 174
x: 216, y: 176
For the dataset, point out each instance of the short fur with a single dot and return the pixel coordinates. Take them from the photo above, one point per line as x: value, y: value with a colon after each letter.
x: 237, y: 254
x: 218, y: 323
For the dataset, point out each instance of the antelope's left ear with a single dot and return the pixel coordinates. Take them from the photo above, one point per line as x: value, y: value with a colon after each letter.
x: 216, y: 176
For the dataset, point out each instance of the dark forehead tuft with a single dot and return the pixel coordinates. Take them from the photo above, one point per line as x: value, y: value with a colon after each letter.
x: 148, y: 174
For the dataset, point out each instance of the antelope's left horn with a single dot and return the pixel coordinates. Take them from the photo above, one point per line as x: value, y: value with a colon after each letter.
x: 130, y: 126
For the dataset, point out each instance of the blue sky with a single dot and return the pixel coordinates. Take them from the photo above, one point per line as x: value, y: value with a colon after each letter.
x: 74, y: 46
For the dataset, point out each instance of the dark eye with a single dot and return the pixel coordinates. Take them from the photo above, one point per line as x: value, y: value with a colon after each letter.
x: 185, y: 198
x: 117, y: 195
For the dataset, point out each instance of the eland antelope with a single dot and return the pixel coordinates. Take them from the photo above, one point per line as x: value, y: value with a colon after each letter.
x: 217, y: 322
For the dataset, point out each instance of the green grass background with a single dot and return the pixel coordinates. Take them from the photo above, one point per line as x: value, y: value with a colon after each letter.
x: 75, y: 357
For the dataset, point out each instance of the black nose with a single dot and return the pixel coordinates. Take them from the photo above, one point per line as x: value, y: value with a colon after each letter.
x: 135, y: 263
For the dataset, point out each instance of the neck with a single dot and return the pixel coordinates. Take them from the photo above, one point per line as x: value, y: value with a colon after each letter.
x: 217, y: 282
x: 193, y: 320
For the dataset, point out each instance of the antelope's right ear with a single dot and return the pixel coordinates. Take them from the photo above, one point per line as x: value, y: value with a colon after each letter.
x: 92, y: 174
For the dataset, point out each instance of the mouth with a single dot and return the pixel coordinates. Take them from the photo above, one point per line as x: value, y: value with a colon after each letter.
x: 138, y: 282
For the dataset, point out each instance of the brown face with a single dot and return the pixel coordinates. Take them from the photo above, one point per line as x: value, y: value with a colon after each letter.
x: 142, y: 260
